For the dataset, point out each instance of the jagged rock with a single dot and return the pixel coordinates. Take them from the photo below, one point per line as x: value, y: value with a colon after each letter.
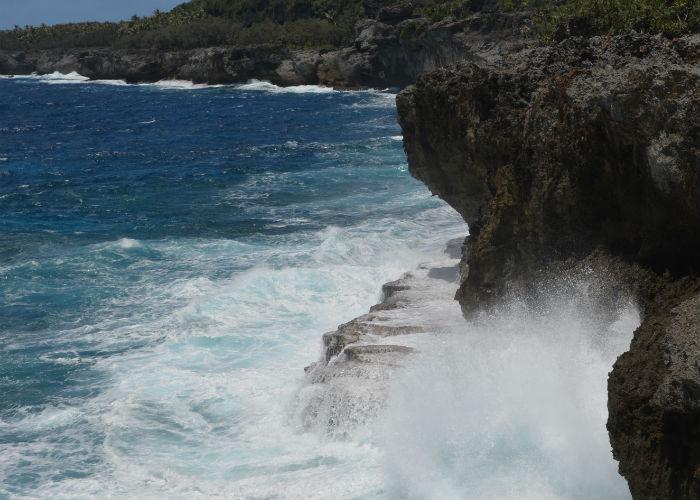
x: 300, y: 69
x: 380, y: 57
x: 335, y: 342
x: 654, y: 398
x: 387, y: 305
x: 347, y: 386
x: 390, y: 288
x: 455, y: 248
x: 555, y: 150
x: 364, y: 353
x: 395, y: 13
x: 585, y: 154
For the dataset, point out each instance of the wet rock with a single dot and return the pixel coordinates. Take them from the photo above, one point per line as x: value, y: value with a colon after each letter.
x: 654, y: 398
x: 582, y: 155
x: 455, y: 248
x: 390, y: 289
x: 336, y: 341
x: 347, y: 386
x: 387, y: 305
x: 395, y: 13
x: 534, y: 156
x: 367, y: 353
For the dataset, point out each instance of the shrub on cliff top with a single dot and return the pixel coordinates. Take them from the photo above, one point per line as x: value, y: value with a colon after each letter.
x: 615, y: 17
x: 330, y: 23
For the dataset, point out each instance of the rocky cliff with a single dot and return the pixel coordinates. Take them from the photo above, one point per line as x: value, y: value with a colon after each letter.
x: 390, y: 51
x: 585, y: 155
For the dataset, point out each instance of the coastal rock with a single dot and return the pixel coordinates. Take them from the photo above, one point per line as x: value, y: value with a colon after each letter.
x: 584, y: 154
x: 389, y: 52
x: 348, y: 385
x: 545, y: 153
x: 364, y: 353
x: 654, y: 398
x: 395, y: 13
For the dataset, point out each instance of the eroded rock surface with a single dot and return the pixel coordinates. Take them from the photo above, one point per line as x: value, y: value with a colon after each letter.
x: 390, y: 51
x: 585, y: 153
x: 654, y: 398
x: 347, y: 386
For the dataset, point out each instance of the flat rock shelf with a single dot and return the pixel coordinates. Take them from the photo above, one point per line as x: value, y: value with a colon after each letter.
x: 347, y: 387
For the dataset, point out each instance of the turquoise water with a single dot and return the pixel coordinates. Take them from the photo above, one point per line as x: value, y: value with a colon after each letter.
x: 170, y: 255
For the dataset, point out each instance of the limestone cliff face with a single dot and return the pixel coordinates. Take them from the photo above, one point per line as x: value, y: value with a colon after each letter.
x: 390, y: 51
x: 586, y: 153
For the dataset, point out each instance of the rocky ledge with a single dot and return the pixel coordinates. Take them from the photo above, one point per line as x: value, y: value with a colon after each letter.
x: 585, y: 155
x: 390, y: 51
x: 347, y: 386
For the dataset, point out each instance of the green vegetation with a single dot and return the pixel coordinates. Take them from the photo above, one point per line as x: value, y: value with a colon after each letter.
x: 556, y: 19
x: 202, y: 23
x: 411, y: 31
x: 436, y: 11
x: 615, y: 17
x: 330, y: 23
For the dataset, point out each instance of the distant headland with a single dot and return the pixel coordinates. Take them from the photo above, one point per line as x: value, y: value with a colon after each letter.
x: 338, y: 43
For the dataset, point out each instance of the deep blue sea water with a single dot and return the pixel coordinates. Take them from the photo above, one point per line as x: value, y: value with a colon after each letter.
x: 170, y: 255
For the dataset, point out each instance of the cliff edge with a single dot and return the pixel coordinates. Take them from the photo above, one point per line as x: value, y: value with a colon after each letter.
x: 389, y: 51
x: 583, y: 155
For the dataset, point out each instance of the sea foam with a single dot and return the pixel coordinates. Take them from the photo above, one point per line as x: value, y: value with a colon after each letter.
x: 509, y: 405
x: 164, y: 288
x: 265, y: 86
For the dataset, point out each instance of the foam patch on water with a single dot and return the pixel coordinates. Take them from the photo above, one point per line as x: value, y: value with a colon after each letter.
x: 196, y: 400
x: 116, y: 83
x: 375, y: 99
x: 179, y: 85
x: 74, y: 77
x: 128, y: 243
x: 264, y: 86
x: 378, y: 98
x: 64, y: 78
x: 60, y: 78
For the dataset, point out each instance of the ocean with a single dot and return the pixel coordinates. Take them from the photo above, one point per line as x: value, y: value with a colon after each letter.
x: 170, y: 256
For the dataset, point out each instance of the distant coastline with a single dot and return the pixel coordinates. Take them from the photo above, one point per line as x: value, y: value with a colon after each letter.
x: 380, y: 56
x: 350, y: 45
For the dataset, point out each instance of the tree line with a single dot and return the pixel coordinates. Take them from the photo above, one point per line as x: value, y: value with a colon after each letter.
x: 330, y: 23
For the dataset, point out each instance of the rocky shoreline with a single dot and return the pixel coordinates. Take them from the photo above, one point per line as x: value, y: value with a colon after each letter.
x: 350, y: 381
x: 579, y: 157
x: 583, y: 157
x: 390, y: 51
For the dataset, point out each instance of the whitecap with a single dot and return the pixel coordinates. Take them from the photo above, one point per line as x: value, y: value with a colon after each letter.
x: 58, y: 77
x: 63, y: 78
x: 375, y: 99
x: 119, y: 83
x: 128, y: 243
x: 265, y: 86
x: 62, y: 358
x: 178, y: 85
